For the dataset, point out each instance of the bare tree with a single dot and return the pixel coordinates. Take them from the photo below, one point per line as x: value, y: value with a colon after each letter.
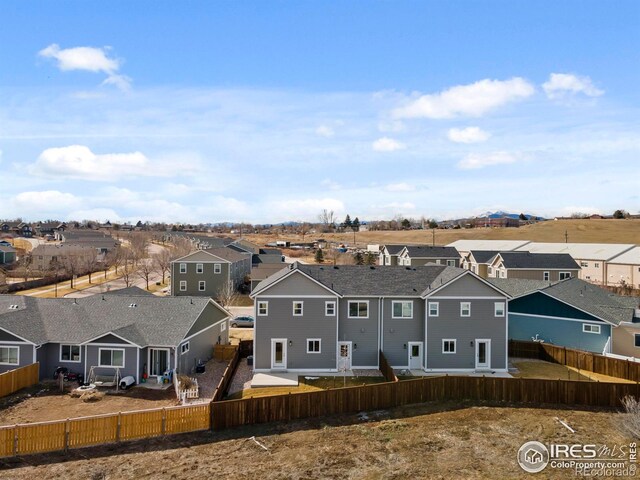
x: 138, y: 243
x: 127, y: 276
x: 227, y: 294
x: 181, y: 247
x: 327, y: 219
x: 631, y: 417
x: 144, y: 271
x: 25, y: 266
x: 162, y: 262
x: 91, y: 263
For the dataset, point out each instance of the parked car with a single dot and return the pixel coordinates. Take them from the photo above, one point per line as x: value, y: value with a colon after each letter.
x: 244, y: 321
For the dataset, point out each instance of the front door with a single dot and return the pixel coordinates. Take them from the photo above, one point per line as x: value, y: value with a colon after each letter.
x: 344, y: 356
x: 158, y: 361
x: 279, y: 353
x: 483, y: 354
x: 415, y: 355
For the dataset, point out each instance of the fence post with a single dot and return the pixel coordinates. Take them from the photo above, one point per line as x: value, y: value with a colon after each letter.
x: 565, y: 356
x: 66, y: 436
x: 15, y: 440
x: 163, y: 428
x: 558, y: 383
x: 13, y: 381
x: 118, y: 427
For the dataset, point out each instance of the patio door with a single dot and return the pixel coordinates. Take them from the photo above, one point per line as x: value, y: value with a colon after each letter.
x: 344, y: 356
x: 279, y: 353
x: 158, y: 361
x: 415, y: 355
x: 483, y: 353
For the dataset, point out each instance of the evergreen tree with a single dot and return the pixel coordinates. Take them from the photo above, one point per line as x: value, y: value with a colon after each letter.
x: 347, y: 221
x: 356, y: 224
x: 406, y: 224
x: 369, y: 259
x: 319, y: 256
x: 523, y: 216
x: 358, y: 258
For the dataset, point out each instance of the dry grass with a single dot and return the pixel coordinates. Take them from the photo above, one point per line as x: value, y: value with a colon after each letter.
x: 553, y: 371
x: 81, y: 283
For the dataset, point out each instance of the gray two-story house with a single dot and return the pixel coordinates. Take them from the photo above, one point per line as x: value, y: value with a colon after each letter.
x: 549, y: 267
x: 207, y: 272
x: 333, y: 318
x: 415, y: 255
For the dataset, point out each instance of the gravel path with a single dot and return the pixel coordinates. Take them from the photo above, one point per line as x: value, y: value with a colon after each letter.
x: 242, y: 378
x: 208, y: 381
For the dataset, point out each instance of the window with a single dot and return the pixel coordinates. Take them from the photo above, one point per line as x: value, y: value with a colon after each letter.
x: 565, y: 275
x: 199, y: 268
x: 330, y: 309
x: 434, y: 308
x: 70, y: 353
x: 596, y: 265
x: 223, y: 326
x: 545, y: 276
x: 313, y: 345
x: 498, y: 309
x: 358, y: 309
x: 263, y: 308
x: 465, y: 309
x: 489, y: 270
x: 584, y: 264
x: 202, y: 285
x: 111, y: 357
x: 590, y: 328
x: 184, y: 348
x: 637, y: 339
x: 448, y: 345
x: 451, y: 263
x: 9, y: 355
x: 297, y: 309
x: 183, y: 268
x: 402, y: 309
x: 183, y: 285
x: 503, y: 274
x: 217, y: 268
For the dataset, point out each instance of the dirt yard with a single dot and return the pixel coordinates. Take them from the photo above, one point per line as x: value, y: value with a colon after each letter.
x: 45, y: 402
x: 425, y: 441
x: 531, y: 368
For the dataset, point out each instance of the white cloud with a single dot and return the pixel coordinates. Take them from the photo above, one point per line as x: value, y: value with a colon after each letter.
x: 89, y: 59
x: 467, y: 135
x: 307, y: 208
x: 399, y: 187
x: 325, y: 131
x: 481, y: 160
x: 330, y: 184
x: 39, y: 203
x: 561, y: 84
x: 472, y: 100
x: 79, y: 162
x: 386, y: 144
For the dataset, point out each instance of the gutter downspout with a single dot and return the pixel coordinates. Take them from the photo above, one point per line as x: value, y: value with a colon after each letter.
x: 380, y: 328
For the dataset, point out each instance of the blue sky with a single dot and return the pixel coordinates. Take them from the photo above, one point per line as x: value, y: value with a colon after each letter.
x: 269, y: 111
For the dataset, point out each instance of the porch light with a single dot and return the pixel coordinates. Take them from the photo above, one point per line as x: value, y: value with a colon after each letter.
x: 471, y: 343
x: 355, y: 346
x: 405, y: 346
x: 362, y: 330
x: 290, y: 342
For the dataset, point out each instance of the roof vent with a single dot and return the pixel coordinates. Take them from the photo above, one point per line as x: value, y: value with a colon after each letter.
x: 335, y: 267
x: 407, y: 268
x: 133, y: 305
x: 372, y: 267
x: 13, y: 307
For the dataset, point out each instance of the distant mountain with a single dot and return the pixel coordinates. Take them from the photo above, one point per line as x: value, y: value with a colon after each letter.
x: 501, y: 214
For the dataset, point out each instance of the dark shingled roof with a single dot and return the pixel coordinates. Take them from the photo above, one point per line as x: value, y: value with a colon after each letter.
x: 538, y: 260
x: 428, y: 251
x: 394, y: 249
x: 483, y: 256
x: 227, y: 253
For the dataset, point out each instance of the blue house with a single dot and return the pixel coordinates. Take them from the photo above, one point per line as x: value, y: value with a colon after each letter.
x: 572, y: 313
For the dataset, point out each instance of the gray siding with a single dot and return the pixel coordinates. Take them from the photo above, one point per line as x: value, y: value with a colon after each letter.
x: 210, y: 315
x: 110, y: 339
x: 7, y: 337
x: 234, y: 272
x: 482, y: 324
x: 130, y: 361
x: 280, y: 323
x: 49, y: 357
x: 200, y: 348
x: 397, y: 332
x: 25, y: 356
x: 363, y: 332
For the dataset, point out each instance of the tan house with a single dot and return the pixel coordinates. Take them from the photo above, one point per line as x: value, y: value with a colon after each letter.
x: 389, y: 254
x: 548, y: 267
x: 45, y: 256
x: 478, y: 261
x: 625, y: 269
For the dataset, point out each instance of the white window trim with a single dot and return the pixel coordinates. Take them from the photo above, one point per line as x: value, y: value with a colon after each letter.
x: 223, y: 326
x: 328, y: 305
x: 217, y: 268
x: 297, y: 302
x: 202, y: 285
x: 17, y: 356
x: 393, y: 303
x: 564, y: 274
x: 184, y: 348
x: 591, y: 328
x: 437, y: 305
x: 462, y: 308
x: 635, y: 337
x: 496, y: 306
x: 455, y: 346
x: 111, y: 350
x: 319, y: 340
x: 357, y: 301
x: 451, y: 263
x: 183, y: 268
x: 266, y: 309
x: 546, y: 276
x: 70, y: 345
x: 199, y: 268
x: 183, y: 285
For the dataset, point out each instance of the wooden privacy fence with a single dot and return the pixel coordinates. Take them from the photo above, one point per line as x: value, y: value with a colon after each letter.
x: 293, y: 406
x: 20, y: 378
x: 87, y: 431
x: 227, y: 376
x: 385, y: 369
x: 592, y: 362
x: 224, y: 352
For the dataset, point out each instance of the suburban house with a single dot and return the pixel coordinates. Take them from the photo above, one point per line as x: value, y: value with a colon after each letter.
x: 19, y: 229
x: 549, y: 267
x: 625, y: 269
x: 110, y: 334
x: 52, y: 229
x: 389, y: 254
x: 572, y: 313
x: 207, y: 272
x: 415, y: 255
x: 100, y: 242
x: 7, y: 254
x: 593, y: 258
x: 48, y: 256
x: 478, y: 261
x: 465, y: 246
x: 334, y: 318
x: 262, y: 271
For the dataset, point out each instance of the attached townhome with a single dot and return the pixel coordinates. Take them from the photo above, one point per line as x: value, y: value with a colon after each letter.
x: 413, y: 256
x: 625, y: 269
x: 478, y: 261
x: 334, y: 318
x: 110, y: 334
x: 389, y: 254
x: 549, y: 267
x: 7, y: 254
x: 207, y: 272
x: 465, y: 246
x: 572, y: 313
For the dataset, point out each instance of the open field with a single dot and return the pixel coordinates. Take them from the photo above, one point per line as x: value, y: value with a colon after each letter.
x: 579, y: 230
x: 418, y: 441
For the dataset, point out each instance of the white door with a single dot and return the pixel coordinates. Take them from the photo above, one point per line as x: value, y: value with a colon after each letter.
x: 344, y: 356
x: 483, y: 353
x: 279, y: 353
x: 415, y: 355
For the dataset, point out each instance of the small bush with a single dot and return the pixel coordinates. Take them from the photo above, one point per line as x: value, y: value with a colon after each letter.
x: 631, y: 417
x: 185, y: 382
